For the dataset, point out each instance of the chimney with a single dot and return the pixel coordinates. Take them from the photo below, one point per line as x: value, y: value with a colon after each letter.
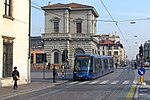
x: 49, y: 3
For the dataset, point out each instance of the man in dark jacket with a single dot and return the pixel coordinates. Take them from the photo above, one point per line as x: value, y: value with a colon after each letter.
x: 54, y: 73
x: 15, y: 75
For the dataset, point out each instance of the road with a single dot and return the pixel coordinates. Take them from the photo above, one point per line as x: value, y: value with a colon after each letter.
x: 114, y: 86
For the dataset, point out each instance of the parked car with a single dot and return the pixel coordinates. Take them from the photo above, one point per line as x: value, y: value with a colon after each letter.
x: 146, y: 64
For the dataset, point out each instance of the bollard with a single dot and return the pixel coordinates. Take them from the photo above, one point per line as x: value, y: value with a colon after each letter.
x: 141, y: 79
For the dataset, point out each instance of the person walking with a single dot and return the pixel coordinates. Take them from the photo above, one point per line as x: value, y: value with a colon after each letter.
x: 54, y: 73
x: 116, y: 65
x: 135, y: 65
x: 48, y: 65
x: 15, y: 75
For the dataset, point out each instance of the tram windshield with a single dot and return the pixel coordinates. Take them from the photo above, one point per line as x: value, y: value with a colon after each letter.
x: 82, y: 64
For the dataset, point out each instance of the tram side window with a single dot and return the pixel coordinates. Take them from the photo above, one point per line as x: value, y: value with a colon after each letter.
x: 105, y: 63
x: 100, y: 64
x: 92, y: 65
x: 108, y: 62
x: 112, y: 63
x: 96, y: 64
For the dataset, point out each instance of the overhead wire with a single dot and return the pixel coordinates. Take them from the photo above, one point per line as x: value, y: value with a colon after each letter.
x: 130, y: 20
x: 44, y: 1
x: 38, y: 7
x: 114, y: 21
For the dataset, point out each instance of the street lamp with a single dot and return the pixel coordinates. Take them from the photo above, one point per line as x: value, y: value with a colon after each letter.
x: 132, y: 22
x: 29, y: 52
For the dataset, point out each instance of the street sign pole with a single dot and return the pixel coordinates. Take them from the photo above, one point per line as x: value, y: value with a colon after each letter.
x: 141, y: 72
x: 141, y: 79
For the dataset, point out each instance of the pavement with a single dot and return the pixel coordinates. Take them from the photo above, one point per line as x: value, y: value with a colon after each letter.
x: 35, y: 85
x: 142, y: 91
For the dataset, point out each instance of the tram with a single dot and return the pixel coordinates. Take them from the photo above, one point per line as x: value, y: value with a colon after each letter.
x: 92, y: 66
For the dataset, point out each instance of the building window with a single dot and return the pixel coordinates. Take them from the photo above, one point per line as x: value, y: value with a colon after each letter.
x: 7, y: 56
x: 56, y: 58
x: 103, y: 52
x: 8, y: 8
x: 79, y: 27
x: 56, y: 26
x: 55, y: 21
x: 39, y: 58
x: 109, y: 53
x: 115, y: 52
x: 109, y: 47
x: 81, y: 51
x: 103, y: 47
x: 115, y: 47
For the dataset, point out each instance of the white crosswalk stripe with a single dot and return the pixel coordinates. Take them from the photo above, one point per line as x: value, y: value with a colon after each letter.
x: 100, y: 82
x: 135, y: 82
x: 72, y: 83
x: 104, y: 82
x: 115, y: 82
x: 126, y: 82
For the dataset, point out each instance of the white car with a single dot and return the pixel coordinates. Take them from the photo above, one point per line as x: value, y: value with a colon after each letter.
x: 146, y: 64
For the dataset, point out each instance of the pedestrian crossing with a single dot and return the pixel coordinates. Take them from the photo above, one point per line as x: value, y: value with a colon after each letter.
x: 104, y: 82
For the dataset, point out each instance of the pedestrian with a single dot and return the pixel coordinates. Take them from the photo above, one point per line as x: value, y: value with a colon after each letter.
x: 54, y: 73
x: 15, y: 75
x: 116, y: 65
x: 48, y: 65
x: 135, y: 65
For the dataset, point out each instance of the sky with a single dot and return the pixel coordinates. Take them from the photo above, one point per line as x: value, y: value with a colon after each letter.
x: 122, y: 11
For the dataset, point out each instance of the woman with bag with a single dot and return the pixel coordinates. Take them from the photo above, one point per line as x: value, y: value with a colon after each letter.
x: 15, y: 75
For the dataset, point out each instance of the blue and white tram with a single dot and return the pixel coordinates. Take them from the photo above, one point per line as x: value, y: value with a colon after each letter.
x: 91, y: 66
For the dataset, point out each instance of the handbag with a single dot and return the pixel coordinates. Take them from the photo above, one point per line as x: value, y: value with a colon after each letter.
x: 17, y: 78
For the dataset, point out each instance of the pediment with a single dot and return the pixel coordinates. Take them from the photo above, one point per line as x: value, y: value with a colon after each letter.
x: 78, y: 20
x: 55, y: 19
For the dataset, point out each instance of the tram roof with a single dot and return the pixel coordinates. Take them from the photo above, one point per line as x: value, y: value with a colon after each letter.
x: 94, y: 55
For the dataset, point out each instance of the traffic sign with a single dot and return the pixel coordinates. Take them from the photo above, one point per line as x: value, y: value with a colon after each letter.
x: 141, y: 71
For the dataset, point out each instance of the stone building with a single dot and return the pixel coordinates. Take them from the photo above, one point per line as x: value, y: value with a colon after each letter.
x: 38, y: 55
x: 37, y: 50
x: 146, y: 52
x: 14, y: 40
x: 69, y: 27
x: 110, y: 45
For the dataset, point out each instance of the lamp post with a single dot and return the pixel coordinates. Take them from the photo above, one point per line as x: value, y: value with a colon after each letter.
x: 44, y: 64
x: 29, y: 40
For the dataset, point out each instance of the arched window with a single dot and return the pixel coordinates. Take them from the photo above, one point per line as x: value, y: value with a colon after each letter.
x: 56, y: 58
x: 79, y: 51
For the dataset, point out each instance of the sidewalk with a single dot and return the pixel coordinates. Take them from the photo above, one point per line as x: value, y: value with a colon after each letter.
x: 143, y: 90
x: 39, y: 84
